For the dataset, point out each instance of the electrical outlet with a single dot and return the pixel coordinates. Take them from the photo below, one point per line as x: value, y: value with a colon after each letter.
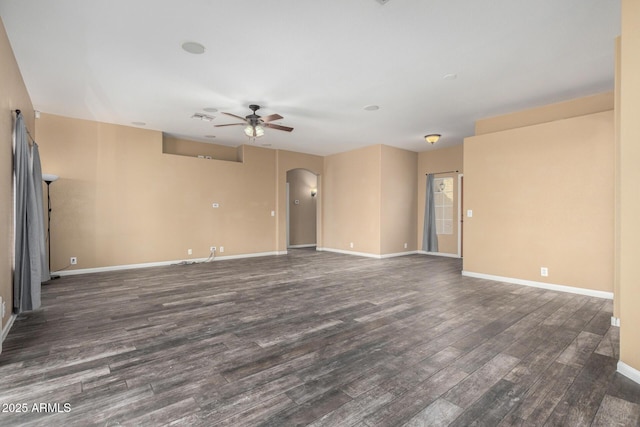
x: 73, y: 260
x: 544, y: 271
x: 351, y: 245
x: 189, y: 252
x: 221, y: 249
x: 405, y: 246
x: 212, y: 249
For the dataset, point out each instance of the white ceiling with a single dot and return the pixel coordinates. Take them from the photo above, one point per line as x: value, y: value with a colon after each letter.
x: 318, y: 64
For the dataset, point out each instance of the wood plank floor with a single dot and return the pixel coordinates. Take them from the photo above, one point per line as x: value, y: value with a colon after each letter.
x: 312, y: 338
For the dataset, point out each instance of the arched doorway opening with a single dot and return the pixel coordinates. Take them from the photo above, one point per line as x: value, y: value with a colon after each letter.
x: 302, y: 208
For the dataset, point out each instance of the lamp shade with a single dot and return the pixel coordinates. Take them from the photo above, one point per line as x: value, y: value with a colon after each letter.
x: 48, y: 177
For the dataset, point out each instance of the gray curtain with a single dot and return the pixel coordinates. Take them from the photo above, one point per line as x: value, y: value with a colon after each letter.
x: 41, y: 229
x: 429, y: 236
x: 30, y: 254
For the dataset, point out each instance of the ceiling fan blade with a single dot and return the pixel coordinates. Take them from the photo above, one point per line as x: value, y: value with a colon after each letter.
x: 230, y: 124
x: 233, y: 115
x: 271, y: 117
x: 278, y: 127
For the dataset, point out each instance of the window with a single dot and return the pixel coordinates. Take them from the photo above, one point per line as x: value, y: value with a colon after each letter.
x: 443, y: 201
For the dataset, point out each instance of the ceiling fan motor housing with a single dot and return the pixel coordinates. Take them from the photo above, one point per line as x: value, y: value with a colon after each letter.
x: 253, y: 119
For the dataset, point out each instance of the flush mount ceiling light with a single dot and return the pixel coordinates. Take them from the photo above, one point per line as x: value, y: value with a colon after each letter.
x: 193, y: 47
x: 432, y: 138
x: 203, y: 117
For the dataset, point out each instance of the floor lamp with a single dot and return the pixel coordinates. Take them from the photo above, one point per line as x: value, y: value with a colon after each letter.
x: 48, y: 179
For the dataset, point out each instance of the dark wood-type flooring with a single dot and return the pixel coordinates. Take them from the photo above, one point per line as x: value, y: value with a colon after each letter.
x: 313, y: 338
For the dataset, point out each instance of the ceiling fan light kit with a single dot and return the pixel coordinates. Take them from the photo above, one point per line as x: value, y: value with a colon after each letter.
x: 255, y: 124
x: 254, y: 131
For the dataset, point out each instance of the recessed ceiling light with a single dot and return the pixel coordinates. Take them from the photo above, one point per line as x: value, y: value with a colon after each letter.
x: 210, y: 109
x: 210, y: 136
x: 450, y: 76
x: 138, y: 123
x: 371, y: 107
x: 193, y: 47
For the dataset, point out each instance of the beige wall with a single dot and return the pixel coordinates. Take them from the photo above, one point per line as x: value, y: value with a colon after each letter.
x: 398, y: 207
x: 369, y: 198
x: 442, y: 160
x: 548, y: 113
x: 302, y: 216
x: 286, y: 161
x: 185, y: 147
x: 542, y: 196
x: 351, y: 188
x: 617, y: 195
x: 120, y: 200
x: 13, y: 95
x: 629, y: 225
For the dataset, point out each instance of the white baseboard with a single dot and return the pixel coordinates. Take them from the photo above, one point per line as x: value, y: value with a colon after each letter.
x: 444, y: 254
x: 341, y: 251
x: 632, y: 373
x: 550, y: 286
x: 615, y: 321
x: 365, y: 254
x: 255, y: 255
x: 162, y: 263
x: 7, y: 327
x: 383, y: 256
x: 311, y: 245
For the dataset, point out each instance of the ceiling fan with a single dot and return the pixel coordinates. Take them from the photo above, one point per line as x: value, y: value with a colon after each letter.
x: 254, y: 124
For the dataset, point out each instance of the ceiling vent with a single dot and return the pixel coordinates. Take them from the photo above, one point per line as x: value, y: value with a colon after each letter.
x: 203, y: 117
